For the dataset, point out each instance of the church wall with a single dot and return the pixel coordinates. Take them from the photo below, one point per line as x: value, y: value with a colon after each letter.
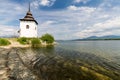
x: 31, y: 32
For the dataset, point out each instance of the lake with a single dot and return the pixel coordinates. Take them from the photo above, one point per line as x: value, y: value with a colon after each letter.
x: 107, y: 49
x: 68, y: 60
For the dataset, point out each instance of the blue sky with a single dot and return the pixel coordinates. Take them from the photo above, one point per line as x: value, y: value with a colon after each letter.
x: 65, y: 19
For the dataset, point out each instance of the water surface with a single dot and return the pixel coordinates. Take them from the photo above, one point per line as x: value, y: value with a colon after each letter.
x: 107, y: 49
x: 69, y: 60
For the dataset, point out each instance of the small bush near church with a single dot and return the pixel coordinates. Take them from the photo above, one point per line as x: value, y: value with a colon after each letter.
x: 47, y: 38
x: 35, y: 42
x: 23, y: 40
x: 4, y: 42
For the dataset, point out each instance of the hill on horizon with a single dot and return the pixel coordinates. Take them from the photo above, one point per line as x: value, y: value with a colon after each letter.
x: 109, y: 37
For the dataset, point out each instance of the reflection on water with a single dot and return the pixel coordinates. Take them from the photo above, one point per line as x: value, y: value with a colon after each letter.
x: 49, y: 50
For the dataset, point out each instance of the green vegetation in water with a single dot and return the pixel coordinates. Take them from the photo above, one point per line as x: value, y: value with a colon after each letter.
x: 35, y: 42
x: 47, y: 38
x: 42, y: 66
x: 4, y: 42
x: 61, y: 69
x: 23, y: 40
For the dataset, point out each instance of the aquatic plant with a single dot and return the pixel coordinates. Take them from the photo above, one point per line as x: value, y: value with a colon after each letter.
x: 4, y: 42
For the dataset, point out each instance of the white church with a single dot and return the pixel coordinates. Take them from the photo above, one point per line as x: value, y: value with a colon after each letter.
x: 28, y: 26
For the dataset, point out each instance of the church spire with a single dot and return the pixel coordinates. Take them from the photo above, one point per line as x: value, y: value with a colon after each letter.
x: 29, y: 7
x: 29, y: 16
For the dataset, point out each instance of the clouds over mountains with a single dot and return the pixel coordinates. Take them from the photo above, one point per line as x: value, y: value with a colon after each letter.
x: 65, y: 19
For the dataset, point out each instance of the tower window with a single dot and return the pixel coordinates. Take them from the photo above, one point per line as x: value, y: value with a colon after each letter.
x: 27, y: 26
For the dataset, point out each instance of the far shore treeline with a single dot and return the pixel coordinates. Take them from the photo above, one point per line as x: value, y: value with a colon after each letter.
x: 95, y: 39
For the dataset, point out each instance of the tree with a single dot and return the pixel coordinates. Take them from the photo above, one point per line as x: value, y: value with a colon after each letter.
x: 35, y: 42
x: 47, y: 38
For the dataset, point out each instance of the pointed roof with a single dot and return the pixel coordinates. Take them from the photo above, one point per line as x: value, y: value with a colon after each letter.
x: 29, y: 16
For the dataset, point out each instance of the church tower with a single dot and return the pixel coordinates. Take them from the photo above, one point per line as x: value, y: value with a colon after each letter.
x: 28, y: 25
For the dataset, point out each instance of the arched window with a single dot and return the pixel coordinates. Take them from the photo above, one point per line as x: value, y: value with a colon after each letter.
x: 27, y: 26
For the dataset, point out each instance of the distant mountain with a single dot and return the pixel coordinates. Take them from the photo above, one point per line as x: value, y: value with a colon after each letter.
x: 104, y: 37
x: 110, y: 37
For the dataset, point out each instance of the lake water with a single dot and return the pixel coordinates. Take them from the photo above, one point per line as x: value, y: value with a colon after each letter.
x: 68, y: 60
x: 106, y: 49
x: 99, y: 58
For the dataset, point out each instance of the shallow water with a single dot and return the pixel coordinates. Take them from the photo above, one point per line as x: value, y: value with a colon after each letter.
x: 69, y: 60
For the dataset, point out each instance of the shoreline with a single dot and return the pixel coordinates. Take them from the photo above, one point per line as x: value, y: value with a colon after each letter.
x: 15, y: 44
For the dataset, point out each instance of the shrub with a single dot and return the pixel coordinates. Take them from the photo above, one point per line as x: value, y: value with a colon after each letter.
x: 47, y: 38
x: 35, y: 42
x: 23, y: 40
x: 4, y: 42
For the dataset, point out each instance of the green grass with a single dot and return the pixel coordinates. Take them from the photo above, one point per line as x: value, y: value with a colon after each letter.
x: 4, y: 42
x: 35, y: 42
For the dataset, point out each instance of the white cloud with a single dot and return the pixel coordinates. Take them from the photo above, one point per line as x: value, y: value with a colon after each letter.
x: 45, y: 2
x: 73, y: 22
x: 87, y: 9
x: 84, y: 1
x: 37, y: 3
x: 84, y: 9
x: 9, y: 17
x: 72, y: 7
x: 8, y: 30
x: 11, y: 12
x: 109, y: 27
x: 78, y: 1
x: 47, y: 23
x: 63, y: 24
x: 104, y: 16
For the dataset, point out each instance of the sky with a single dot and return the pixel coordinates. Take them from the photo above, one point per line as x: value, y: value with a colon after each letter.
x: 64, y: 19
